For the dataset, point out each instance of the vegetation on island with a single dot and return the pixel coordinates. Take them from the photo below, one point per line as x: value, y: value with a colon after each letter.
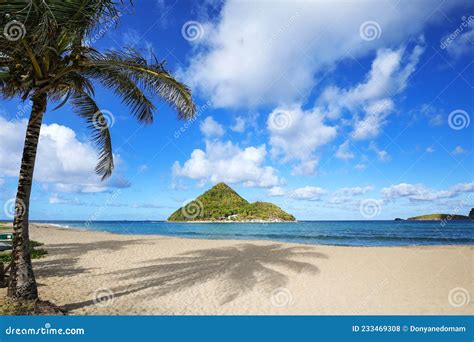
x: 222, y: 204
x: 439, y: 217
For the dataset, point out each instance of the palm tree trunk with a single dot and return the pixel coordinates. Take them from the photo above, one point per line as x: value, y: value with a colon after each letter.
x: 22, y: 280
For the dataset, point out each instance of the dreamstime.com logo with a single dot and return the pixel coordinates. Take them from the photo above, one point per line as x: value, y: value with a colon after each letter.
x: 458, y: 297
x: 103, y: 119
x: 370, y: 30
x: 14, y: 207
x: 46, y: 330
x: 192, y: 30
x: 458, y: 119
x: 14, y: 30
x: 103, y: 297
x: 188, y: 123
x: 281, y: 297
x: 369, y: 208
x: 192, y: 209
x: 280, y: 120
x: 466, y: 22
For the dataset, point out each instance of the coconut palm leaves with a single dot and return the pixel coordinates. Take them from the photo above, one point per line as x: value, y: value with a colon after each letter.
x: 44, y: 53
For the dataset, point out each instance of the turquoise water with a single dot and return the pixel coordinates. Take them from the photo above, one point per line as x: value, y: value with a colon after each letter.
x: 345, y: 233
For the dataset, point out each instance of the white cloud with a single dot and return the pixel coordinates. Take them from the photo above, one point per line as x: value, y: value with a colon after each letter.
x: 348, y: 195
x: 458, y: 150
x: 463, y: 187
x: 343, y: 151
x: 57, y: 199
x: 434, y: 115
x: 374, y: 120
x: 418, y: 192
x: 310, y: 193
x: 354, y: 191
x: 387, y: 77
x: 142, y: 168
x: 382, y: 155
x: 436, y: 120
x: 459, y: 42
x: 275, y: 52
x: 360, y: 166
x: 226, y: 162
x: 276, y: 191
x: 430, y: 149
x: 62, y: 160
x: 239, y: 125
x: 211, y: 128
x: 296, y: 134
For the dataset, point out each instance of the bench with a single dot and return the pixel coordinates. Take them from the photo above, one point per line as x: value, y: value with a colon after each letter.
x: 5, y: 241
x: 5, y: 245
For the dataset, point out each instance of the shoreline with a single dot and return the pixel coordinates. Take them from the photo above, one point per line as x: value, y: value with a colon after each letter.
x: 205, y: 221
x: 86, y: 230
x: 162, y: 275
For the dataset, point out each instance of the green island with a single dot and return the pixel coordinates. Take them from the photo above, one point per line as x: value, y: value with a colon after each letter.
x: 222, y: 204
x: 440, y: 217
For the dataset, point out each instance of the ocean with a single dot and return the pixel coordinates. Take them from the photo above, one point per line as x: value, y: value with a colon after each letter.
x: 341, y: 233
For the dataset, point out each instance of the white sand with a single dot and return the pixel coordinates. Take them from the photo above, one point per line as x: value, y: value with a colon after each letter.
x: 162, y: 275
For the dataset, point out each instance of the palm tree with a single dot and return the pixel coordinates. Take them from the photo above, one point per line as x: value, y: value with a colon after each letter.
x: 43, y: 58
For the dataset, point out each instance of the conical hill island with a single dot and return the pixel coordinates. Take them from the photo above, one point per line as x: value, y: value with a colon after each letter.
x: 222, y: 204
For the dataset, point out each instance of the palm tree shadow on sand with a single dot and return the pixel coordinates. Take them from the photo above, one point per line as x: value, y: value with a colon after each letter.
x: 63, y: 259
x: 237, y: 269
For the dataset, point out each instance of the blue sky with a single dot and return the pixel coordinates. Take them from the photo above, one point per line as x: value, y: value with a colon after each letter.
x: 332, y: 110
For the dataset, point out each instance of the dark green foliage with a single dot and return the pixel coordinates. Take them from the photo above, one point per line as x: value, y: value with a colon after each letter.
x: 221, y: 203
x: 436, y: 217
x: 35, y: 253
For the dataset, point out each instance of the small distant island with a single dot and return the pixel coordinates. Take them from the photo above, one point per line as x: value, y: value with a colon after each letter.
x: 441, y: 217
x: 222, y: 204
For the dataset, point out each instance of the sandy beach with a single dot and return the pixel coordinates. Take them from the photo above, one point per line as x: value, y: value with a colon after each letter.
x: 101, y: 273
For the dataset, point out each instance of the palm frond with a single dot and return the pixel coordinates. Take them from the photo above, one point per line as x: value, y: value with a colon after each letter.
x: 131, y: 95
x: 151, y: 77
x: 86, y: 107
x: 42, y: 17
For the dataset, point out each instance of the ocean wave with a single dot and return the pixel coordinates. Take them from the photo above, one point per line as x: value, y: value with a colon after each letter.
x: 58, y: 225
x: 415, y: 239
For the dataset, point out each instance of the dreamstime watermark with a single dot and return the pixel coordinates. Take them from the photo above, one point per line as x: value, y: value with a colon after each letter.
x: 465, y: 23
x: 375, y: 291
x: 286, y: 25
x: 192, y: 209
x: 111, y: 198
x: 103, y: 119
x: 192, y: 30
x: 370, y: 30
x: 14, y: 207
x: 458, y: 297
x: 47, y: 329
x: 189, y: 122
x: 458, y: 119
x: 281, y: 297
x: 369, y: 208
x: 371, y: 119
x: 103, y: 297
x: 462, y: 205
x: 280, y: 120
x: 106, y: 26
x: 14, y: 31
x: 22, y: 110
